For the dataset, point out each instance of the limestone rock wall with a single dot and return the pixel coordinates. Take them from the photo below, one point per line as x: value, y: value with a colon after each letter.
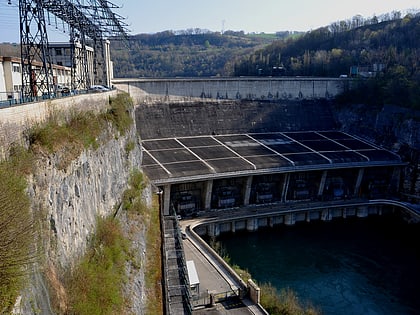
x: 73, y: 198
x: 392, y: 127
x: 69, y: 202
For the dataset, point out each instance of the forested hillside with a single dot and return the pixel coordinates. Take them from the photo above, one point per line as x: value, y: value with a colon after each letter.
x: 190, y: 53
x: 332, y: 50
x: 385, y: 51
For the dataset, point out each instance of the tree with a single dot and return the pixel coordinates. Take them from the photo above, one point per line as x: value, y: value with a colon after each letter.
x: 16, y: 235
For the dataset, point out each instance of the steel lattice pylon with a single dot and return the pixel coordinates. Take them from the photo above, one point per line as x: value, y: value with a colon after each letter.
x: 80, y: 78
x: 90, y: 21
x: 36, y: 62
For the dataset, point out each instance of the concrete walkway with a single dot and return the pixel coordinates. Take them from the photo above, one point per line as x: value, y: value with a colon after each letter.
x: 215, y: 278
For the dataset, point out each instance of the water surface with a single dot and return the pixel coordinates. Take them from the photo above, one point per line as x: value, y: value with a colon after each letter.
x: 367, y: 266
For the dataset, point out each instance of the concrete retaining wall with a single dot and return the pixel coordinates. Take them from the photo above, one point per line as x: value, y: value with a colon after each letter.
x: 15, y: 120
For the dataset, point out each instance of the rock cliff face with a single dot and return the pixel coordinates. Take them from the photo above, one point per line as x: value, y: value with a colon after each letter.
x: 69, y: 202
x: 73, y: 198
x: 392, y: 127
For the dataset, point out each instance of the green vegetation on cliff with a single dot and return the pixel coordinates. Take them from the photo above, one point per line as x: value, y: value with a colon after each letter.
x: 95, y: 286
x: 17, y: 234
x: 139, y: 212
x: 80, y: 130
x: 18, y: 231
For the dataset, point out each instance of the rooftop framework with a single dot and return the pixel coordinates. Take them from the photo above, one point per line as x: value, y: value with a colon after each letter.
x: 174, y: 160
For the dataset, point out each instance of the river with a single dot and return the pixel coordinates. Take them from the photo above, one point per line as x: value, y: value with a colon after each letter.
x: 368, y: 266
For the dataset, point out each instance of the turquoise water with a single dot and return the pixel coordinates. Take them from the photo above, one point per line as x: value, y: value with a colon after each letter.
x: 367, y: 266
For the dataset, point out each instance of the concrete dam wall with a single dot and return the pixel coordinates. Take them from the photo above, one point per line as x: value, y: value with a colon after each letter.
x: 249, y: 88
x: 162, y: 120
x: 192, y: 107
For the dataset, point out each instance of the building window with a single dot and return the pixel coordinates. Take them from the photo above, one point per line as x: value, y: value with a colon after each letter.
x: 58, y: 52
x: 16, y: 67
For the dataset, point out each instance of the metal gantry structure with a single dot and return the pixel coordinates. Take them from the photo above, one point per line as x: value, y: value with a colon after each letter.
x: 89, y: 22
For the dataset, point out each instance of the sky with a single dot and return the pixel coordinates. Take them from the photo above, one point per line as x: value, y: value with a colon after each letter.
x: 268, y: 16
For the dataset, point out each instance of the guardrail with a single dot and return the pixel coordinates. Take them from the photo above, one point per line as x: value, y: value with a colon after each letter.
x: 8, y: 99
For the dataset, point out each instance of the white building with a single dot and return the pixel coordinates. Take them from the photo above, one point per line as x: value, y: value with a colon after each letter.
x: 11, y: 77
x: 62, y: 61
x: 61, y: 54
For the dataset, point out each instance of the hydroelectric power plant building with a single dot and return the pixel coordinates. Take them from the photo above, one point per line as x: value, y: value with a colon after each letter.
x: 278, y: 143
x: 218, y: 172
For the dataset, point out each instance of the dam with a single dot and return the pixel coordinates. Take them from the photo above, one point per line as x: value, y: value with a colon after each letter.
x: 210, y: 155
x: 244, y: 159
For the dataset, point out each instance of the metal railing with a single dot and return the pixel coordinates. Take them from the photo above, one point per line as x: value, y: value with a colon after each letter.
x: 8, y: 99
x: 206, y: 298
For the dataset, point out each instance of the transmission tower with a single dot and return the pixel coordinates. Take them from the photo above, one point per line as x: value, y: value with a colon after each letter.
x: 80, y: 78
x: 89, y: 21
x: 37, y: 75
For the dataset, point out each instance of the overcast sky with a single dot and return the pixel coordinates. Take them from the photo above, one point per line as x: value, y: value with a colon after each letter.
x: 267, y: 16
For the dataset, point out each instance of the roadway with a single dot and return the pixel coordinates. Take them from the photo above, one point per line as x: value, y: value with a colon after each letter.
x: 214, y: 280
x: 211, y: 280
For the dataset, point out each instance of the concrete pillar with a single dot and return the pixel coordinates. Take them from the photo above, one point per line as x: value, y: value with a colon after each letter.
x: 271, y: 222
x: 247, y: 191
x: 344, y: 213
x: 308, y: 216
x: 213, y: 230
x: 289, y: 219
x: 362, y: 212
x: 252, y: 224
x: 359, y: 182
x: 254, y: 292
x: 322, y: 183
x: 395, y: 181
x: 208, y: 192
x: 233, y: 227
x: 326, y: 215
x: 285, y: 187
x: 166, y: 199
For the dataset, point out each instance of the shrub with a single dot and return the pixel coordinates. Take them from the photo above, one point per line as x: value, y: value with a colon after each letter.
x: 131, y: 199
x: 284, y: 302
x: 119, y: 112
x: 129, y: 147
x: 153, y: 263
x: 95, y: 286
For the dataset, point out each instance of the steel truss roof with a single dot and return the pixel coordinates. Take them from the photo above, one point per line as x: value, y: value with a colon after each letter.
x: 185, y: 159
